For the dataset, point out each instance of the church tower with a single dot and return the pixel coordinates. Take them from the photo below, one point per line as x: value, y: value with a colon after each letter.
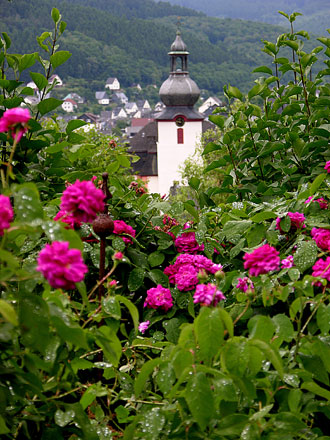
x: 179, y: 125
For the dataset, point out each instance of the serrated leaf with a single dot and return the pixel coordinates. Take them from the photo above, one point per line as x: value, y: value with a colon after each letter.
x: 272, y: 355
x: 209, y: 323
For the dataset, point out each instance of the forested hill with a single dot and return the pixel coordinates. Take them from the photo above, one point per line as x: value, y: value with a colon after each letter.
x: 316, y: 13
x: 138, y: 8
x: 130, y: 45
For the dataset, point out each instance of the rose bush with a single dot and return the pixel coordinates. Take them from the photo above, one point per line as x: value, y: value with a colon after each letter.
x: 218, y: 331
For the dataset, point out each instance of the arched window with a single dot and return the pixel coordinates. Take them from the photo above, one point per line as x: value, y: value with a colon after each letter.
x: 180, y: 135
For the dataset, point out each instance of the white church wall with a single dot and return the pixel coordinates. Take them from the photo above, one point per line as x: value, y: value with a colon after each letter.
x: 170, y: 154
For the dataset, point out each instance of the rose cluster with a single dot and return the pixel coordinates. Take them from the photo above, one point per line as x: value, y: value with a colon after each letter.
x: 184, y: 272
x: 297, y: 222
x: 120, y: 228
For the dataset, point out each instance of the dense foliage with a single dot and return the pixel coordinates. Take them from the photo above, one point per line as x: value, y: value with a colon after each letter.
x: 211, y: 328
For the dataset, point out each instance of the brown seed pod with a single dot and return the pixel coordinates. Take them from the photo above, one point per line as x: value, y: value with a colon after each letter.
x: 103, y: 225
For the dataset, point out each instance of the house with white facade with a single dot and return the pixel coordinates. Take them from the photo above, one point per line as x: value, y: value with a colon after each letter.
x: 69, y: 105
x: 118, y: 113
x: 120, y: 98
x: 212, y: 101
x: 79, y: 99
x: 112, y: 84
x: 57, y: 79
x: 131, y: 108
x: 102, y: 98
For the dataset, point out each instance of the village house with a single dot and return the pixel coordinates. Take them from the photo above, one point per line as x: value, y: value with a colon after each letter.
x: 212, y: 101
x: 102, y: 98
x: 118, y: 113
x: 79, y: 99
x: 131, y: 108
x: 119, y: 98
x: 69, y: 105
x: 112, y: 84
x: 58, y: 83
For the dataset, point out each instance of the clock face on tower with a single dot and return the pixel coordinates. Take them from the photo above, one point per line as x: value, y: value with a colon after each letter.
x: 180, y: 121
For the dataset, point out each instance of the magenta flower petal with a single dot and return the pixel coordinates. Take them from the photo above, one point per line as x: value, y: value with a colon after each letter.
x: 62, y: 267
x: 6, y: 213
x: 262, y: 260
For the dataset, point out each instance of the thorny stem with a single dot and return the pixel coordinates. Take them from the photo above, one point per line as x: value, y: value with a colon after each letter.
x: 102, y: 280
x: 305, y: 91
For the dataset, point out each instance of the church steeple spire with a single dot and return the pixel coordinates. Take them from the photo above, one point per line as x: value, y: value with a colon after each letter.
x: 179, y: 89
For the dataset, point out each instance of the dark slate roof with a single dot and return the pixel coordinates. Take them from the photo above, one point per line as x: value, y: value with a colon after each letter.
x: 144, y: 145
x: 171, y: 112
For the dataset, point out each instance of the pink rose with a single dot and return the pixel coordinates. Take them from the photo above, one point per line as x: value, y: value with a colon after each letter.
x: 6, y: 213
x: 297, y: 222
x: 321, y: 201
x: 321, y: 269
x: 120, y: 227
x: 287, y: 262
x: 186, y: 242
x: 15, y: 121
x: 208, y: 294
x: 327, y: 166
x: 159, y: 297
x: 262, y: 260
x: 321, y: 237
x: 244, y: 284
x: 83, y: 201
x: 62, y: 267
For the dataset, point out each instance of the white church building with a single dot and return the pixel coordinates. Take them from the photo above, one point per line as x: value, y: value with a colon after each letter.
x: 164, y: 144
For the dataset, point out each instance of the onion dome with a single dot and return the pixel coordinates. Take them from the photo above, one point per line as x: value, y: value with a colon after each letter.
x: 179, y: 89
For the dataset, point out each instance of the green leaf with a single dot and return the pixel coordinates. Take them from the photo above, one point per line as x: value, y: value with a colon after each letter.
x: 3, y: 426
x: 192, y: 211
x: 153, y: 422
x: 55, y: 15
x: 305, y: 255
x: 131, y: 308
x: 135, y: 279
x: 7, y: 39
x: 28, y: 207
x: 316, y: 389
x: 47, y: 105
x: 228, y: 322
x: 74, y: 124
x: 232, y: 425
x: 156, y: 258
x: 233, y: 92
x: 26, y: 61
x: 107, y: 339
x: 209, y: 323
x: 69, y: 332
x: 39, y: 79
x: 217, y: 120
x: 283, y: 327
x: 165, y: 377
x: 264, y: 215
x: 55, y: 148
x: 272, y: 355
x: 211, y: 146
x: 194, y: 182
x: 323, y: 318
x: 80, y: 364
x: 215, y: 164
x: 200, y: 399
x: 59, y: 58
x: 33, y: 316
x: 8, y: 312
x: 261, y: 327
x: 316, y: 183
x: 263, y: 69
x: 146, y: 370
x: 111, y: 306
